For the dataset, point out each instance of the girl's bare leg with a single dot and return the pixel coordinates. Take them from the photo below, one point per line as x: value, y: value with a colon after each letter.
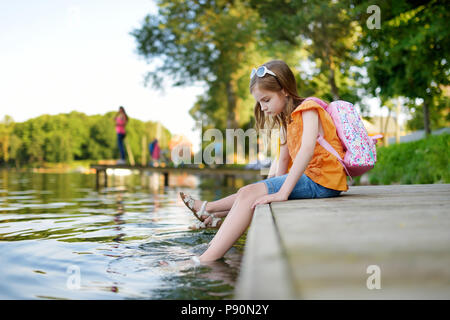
x: 221, y: 214
x: 236, y: 222
x: 224, y: 204
x: 214, y: 207
x: 218, y: 205
x: 208, y: 219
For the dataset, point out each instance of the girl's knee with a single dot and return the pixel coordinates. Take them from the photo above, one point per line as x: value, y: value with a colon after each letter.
x: 256, y: 189
x: 245, y: 189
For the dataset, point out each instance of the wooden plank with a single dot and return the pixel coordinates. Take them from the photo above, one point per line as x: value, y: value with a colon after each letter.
x: 130, y: 153
x: 264, y: 273
x: 403, y: 230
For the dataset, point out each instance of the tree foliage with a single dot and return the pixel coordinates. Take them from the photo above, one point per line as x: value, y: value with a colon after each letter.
x: 192, y: 41
x: 408, y: 55
x: 325, y: 30
x: 72, y: 136
x: 216, y: 43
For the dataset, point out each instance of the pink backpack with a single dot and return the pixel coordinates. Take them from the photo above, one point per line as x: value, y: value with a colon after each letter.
x: 359, y: 147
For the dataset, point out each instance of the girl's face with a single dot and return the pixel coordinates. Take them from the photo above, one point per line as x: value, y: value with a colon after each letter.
x: 272, y: 102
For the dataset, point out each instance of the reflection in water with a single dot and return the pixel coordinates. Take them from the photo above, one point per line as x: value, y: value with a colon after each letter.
x: 118, y: 216
x: 115, y: 236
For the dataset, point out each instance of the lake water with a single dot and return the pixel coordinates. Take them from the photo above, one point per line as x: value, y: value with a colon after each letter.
x: 60, y: 238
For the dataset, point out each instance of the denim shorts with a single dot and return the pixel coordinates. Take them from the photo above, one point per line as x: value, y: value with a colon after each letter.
x: 304, y: 189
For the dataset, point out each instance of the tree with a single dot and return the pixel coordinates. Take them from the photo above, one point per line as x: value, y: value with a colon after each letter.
x: 325, y: 30
x: 439, y: 115
x: 72, y: 136
x: 6, y: 128
x: 408, y: 55
x: 201, y: 41
x: 14, y: 148
x: 102, y: 138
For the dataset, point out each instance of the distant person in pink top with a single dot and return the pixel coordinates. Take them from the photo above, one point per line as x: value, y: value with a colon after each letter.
x: 155, y: 150
x: 121, y: 120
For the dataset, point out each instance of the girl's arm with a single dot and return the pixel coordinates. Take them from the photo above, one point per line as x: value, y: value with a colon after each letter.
x: 273, y: 168
x: 283, y: 159
x: 304, y: 155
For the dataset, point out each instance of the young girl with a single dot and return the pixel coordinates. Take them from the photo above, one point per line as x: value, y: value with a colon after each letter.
x: 304, y: 168
x: 121, y: 120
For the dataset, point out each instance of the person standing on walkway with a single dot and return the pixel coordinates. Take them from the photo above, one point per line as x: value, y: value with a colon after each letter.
x: 155, y: 150
x: 304, y: 170
x: 121, y: 120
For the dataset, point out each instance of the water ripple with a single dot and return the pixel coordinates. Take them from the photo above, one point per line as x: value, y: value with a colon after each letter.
x: 114, y: 237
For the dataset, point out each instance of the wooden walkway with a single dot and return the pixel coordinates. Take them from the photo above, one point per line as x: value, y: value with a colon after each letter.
x: 373, y: 242
x: 223, y: 172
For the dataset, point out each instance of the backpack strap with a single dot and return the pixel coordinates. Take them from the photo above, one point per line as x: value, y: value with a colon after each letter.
x: 376, y: 137
x: 318, y: 101
x: 324, y: 143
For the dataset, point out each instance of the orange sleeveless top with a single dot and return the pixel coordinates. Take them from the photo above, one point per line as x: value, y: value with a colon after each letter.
x: 324, y: 168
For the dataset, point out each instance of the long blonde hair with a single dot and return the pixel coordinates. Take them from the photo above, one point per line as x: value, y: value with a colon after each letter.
x: 284, y: 80
x: 121, y: 109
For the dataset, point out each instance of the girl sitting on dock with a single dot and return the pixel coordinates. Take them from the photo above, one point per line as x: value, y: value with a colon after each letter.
x: 304, y: 168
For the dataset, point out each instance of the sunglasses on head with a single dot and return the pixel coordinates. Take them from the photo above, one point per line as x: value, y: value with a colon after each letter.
x: 261, y: 72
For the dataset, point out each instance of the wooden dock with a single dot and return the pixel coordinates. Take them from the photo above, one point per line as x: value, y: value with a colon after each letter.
x: 372, y: 242
x: 225, y: 173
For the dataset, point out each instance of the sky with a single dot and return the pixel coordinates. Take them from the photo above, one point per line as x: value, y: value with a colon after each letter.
x: 65, y: 55
x: 57, y: 56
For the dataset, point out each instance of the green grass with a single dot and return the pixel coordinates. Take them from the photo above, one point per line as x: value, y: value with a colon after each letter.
x: 417, y: 162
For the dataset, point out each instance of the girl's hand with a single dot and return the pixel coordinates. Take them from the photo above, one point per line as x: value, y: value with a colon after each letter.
x: 268, y: 198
